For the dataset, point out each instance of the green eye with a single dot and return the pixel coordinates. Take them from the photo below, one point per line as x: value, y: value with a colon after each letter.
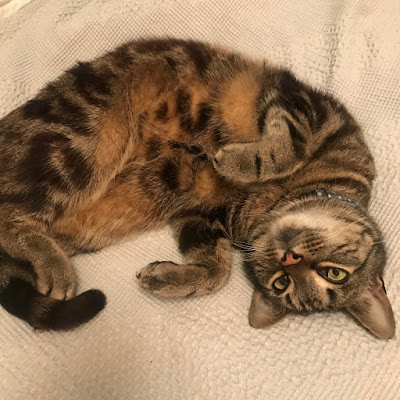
x: 334, y: 275
x: 281, y: 284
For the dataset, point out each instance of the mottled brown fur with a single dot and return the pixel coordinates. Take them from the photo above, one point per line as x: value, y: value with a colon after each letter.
x: 220, y: 147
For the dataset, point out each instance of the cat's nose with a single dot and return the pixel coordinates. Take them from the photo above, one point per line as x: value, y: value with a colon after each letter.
x: 291, y: 258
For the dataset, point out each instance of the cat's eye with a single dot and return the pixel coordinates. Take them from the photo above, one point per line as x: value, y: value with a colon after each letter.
x: 281, y: 284
x: 334, y: 275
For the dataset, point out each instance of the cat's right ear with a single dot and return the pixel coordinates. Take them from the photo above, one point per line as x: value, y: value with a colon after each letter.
x: 262, y: 313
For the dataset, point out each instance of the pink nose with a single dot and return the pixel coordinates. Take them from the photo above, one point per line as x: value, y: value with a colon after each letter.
x: 291, y: 258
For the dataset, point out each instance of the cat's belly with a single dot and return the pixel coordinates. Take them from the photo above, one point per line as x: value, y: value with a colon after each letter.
x: 139, y: 200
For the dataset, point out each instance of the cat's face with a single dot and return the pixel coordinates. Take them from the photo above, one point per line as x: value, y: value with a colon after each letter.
x: 318, y: 255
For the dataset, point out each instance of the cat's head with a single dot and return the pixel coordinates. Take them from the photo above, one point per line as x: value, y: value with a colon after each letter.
x: 320, y: 254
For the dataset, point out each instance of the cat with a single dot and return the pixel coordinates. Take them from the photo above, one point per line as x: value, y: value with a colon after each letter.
x: 229, y: 151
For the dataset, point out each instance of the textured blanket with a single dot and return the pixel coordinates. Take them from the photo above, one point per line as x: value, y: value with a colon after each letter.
x: 142, y: 347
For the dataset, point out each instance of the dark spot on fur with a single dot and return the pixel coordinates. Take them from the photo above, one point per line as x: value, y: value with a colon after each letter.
x: 154, y: 147
x: 91, y: 84
x: 200, y: 55
x: 204, y: 115
x: 172, y: 63
x: 169, y: 175
x: 37, y: 170
x: 176, y: 145
x: 123, y: 58
x: 183, y: 102
x: 194, y: 150
x: 58, y: 210
x: 79, y: 169
x: 37, y: 109
x: 219, y: 136
x: 331, y: 294
x: 196, y: 234
x: 162, y: 111
x: 258, y: 162
x: 219, y: 213
x: 183, y: 107
x: 272, y: 157
x: 261, y: 119
x: 73, y: 116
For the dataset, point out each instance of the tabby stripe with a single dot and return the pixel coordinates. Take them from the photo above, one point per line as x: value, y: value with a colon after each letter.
x: 204, y: 115
x: 297, y: 103
x: 70, y: 115
x: 89, y: 83
x: 80, y: 171
x: 73, y: 116
x: 195, y: 234
x: 219, y: 136
x: 37, y: 109
x: 291, y: 97
x: 258, y: 162
x: 36, y: 169
x: 169, y: 175
x: 262, y: 115
x: 320, y: 110
x: 122, y: 57
x: 298, y: 142
x: 199, y: 54
x: 340, y: 135
x: 154, y: 146
x: 215, y: 214
x: 162, y: 111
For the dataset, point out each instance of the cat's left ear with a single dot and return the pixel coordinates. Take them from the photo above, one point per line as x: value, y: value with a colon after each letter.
x: 262, y: 313
x: 372, y: 308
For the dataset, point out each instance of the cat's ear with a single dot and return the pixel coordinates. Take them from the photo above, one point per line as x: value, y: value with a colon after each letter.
x: 372, y: 308
x: 262, y: 313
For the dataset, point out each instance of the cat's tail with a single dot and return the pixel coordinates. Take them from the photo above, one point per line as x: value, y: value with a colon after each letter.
x: 22, y: 300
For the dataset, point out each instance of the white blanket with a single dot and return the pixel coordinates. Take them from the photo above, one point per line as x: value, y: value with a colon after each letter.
x: 142, y: 347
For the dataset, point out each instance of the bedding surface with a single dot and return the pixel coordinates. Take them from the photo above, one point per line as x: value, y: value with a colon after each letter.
x: 142, y: 347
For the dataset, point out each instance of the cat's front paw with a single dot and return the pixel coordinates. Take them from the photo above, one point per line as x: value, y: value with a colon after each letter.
x: 239, y: 162
x: 166, y: 279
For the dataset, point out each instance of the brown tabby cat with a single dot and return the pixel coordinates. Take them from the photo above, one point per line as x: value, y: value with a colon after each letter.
x: 225, y: 149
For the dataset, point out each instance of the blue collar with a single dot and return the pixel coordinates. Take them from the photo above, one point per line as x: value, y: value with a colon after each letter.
x: 330, y: 195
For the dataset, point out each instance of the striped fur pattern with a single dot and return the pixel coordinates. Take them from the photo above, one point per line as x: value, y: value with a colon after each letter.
x: 217, y: 145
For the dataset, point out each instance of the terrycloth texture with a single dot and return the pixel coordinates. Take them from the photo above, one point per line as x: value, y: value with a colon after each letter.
x: 142, y: 347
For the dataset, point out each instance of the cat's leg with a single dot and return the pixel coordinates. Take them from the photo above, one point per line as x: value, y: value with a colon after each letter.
x: 27, y: 241
x: 279, y: 153
x: 207, y: 262
x: 290, y: 134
